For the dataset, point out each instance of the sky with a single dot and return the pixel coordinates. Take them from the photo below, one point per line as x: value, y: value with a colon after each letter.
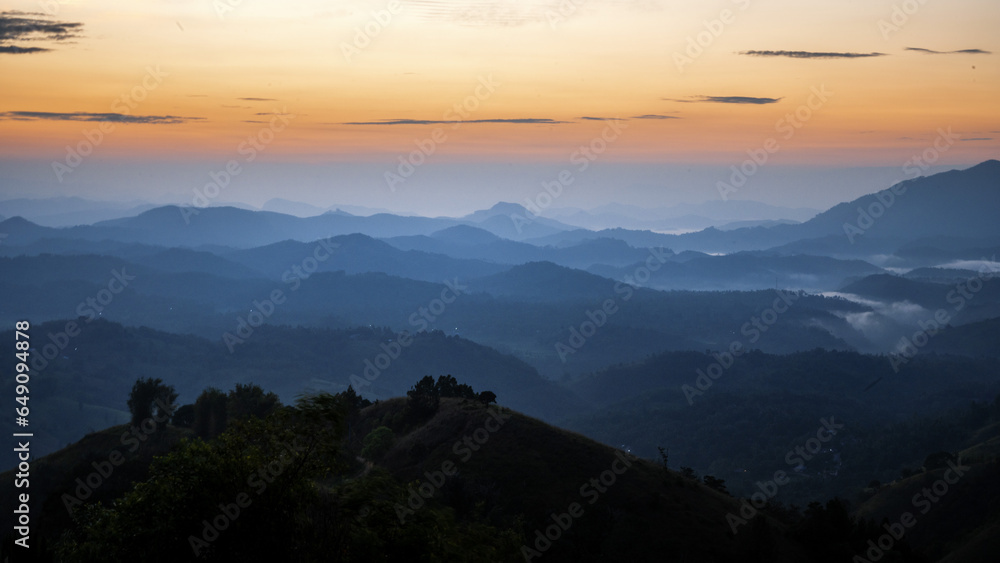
x: 442, y: 107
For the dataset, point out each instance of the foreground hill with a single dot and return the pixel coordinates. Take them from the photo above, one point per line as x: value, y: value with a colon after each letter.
x: 494, y: 485
x: 954, y: 500
x: 644, y: 513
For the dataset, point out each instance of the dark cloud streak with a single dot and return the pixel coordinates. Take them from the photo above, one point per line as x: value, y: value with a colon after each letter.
x: 810, y: 54
x: 726, y: 100
x: 959, y: 52
x: 527, y: 120
x: 32, y: 26
x: 15, y: 50
x: 87, y: 116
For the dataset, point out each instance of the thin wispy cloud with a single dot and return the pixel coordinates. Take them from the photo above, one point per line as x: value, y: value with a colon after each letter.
x: 977, y: 139
x: 725, y: 100
x: 87, y: 116
x: 591, y: 118
x: 811, y: 54
x: 655, y: 116
x: 32, y: 26
x: 958, y: 52
x: 258, y: 99
x: 526, y: 120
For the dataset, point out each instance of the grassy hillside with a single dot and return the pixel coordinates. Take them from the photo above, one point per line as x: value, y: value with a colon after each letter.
x: 952, y: 522
x: 463, y: 482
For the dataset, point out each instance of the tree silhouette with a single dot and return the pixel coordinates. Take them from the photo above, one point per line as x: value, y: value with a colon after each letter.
x: 148, y: 397
x: 713, y: 482
x: 422, y: 398
x: 210, y: 413
x: 183, y: 416
x: 250, y: 400
x: 448, y: 386
x: 353, y: 401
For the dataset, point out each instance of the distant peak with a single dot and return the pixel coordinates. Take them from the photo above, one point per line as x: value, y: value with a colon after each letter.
x: 505, y: 208
x: 17, y: 221
x: 338, y: 211
x: 988, y: 165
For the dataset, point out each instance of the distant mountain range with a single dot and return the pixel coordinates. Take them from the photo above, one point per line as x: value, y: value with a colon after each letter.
x: 928, y: 222
x: 952, y: 204
x: 70, y: 211
x: 958, y: 203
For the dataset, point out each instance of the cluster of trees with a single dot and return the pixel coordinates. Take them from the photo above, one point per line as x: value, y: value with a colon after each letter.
x: 424, y: 398
x: 214, y: 410
x: 259, y: 480
x: 235, y: 496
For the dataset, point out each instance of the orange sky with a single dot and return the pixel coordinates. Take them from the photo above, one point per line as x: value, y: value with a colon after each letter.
x: 606, y: 59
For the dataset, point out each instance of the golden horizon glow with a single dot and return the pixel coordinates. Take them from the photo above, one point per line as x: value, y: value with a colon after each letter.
x: 607, y: 59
